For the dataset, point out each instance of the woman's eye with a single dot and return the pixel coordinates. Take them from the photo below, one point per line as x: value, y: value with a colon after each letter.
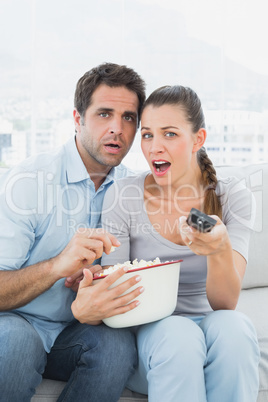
x: 170, y: 134
x: 146, y: 136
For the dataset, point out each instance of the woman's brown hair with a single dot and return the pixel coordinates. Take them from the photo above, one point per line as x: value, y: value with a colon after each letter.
x: 190, y: 103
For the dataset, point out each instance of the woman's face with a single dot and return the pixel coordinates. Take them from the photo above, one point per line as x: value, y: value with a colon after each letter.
x: 168, y: 143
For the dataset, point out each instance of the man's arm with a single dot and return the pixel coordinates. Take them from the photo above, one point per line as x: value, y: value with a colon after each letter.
x: 22, y: 286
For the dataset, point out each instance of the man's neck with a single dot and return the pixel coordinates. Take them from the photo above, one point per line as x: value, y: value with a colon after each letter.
x: 98, y: 178
x: 96, y: 171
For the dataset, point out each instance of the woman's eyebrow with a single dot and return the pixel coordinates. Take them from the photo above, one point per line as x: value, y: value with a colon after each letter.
x: 167, y: 127
x: 162, y: 128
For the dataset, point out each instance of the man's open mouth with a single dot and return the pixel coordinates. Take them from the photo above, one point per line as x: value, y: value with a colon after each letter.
x: 112, y: 148
x: 112, y: 145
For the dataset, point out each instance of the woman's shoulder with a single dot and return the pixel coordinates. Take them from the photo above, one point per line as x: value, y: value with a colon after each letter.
x: 230, y: 185
x: 125, y: 189
x: 237, y: 201
x: 133, y: 181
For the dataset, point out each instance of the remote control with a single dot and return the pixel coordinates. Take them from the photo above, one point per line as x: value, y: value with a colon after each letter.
x: 200, y: 221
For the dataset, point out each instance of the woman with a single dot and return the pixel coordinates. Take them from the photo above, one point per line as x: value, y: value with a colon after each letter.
x: 205, y: 351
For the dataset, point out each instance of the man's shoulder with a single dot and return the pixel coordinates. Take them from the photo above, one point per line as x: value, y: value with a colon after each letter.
x: 45, y: 160
x: 35, y: 175
x: 50, y: 163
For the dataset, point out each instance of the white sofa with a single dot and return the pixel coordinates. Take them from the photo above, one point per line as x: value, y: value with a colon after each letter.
x: 254, y: 296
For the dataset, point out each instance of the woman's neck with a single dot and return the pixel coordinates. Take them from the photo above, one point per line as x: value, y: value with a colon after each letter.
x: 178, y: 197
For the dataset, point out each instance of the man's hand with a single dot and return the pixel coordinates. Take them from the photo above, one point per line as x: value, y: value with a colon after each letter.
x: 93, y: 303
x: 21, y: 286
x: 86, y: 246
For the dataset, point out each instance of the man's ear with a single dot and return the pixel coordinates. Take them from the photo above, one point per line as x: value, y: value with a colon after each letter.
x: 199, y: 139
x: 77, y: 120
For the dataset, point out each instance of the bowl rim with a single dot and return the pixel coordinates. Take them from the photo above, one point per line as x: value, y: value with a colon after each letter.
x: 142, y: 268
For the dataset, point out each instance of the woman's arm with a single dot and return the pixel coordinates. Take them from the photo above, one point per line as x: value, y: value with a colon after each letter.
x: 225, y: 272
x: 225, y: 267
x: 226, y: 246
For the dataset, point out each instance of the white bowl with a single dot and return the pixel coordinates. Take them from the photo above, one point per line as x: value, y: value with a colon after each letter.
x: 159, y: 298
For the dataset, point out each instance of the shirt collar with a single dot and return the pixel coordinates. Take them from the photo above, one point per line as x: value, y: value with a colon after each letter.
x: 75, y: 167
x: 76, y: 170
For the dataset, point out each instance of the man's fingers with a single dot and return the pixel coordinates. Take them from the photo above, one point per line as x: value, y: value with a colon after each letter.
x: 106, y: 238
x: 75, y: 276
x: 95, y: 268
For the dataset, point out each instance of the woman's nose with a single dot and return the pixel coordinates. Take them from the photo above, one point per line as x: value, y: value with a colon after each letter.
x: 157, y: 146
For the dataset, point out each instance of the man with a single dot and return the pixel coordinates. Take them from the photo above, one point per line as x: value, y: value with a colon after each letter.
x: 48, y: 207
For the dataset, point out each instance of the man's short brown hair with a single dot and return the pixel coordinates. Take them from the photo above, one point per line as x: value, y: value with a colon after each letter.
x: 112, y: 75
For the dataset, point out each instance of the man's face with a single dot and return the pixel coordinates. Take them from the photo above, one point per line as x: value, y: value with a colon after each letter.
x: 105, y: 134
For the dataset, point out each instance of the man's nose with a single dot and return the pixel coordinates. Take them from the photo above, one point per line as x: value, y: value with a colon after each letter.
x: 116, y: 127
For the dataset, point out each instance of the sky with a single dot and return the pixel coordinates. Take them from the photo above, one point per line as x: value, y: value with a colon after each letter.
x: 239, y: 26
x: 45, y: 45
x: 58, y: 40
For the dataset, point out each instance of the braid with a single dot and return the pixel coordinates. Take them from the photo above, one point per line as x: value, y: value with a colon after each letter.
x: 212, y: 204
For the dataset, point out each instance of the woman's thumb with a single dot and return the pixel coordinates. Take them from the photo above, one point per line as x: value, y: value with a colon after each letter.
x: 87, y: 280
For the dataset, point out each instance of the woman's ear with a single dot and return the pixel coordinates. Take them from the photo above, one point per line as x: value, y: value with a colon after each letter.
x: 199, y: 139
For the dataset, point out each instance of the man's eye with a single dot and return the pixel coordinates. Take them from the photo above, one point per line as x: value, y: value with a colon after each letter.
x: 129, y: 118
x: 104, y: 114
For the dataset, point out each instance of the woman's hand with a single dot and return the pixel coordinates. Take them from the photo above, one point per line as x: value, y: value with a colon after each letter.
x: 74, y: 280
x: 95, y: 302
x: 225, y: 267
x: 215, y: 241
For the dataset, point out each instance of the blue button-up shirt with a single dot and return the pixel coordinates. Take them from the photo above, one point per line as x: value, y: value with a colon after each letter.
x: 43, y: 201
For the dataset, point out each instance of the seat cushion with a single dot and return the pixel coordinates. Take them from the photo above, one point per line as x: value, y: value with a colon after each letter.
x: 255, y: 177
x: 254, y: 302
x: 49, y: 391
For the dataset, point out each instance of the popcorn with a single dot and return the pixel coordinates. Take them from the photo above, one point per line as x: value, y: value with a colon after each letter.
x: 135, y: 264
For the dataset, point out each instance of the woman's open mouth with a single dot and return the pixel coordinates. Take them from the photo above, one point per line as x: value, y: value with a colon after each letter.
x: 161, y: 167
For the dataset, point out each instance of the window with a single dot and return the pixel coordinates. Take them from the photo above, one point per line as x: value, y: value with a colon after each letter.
x: 216, y: 47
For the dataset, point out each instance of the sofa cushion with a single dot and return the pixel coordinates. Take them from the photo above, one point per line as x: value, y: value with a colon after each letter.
x: 256, y: 179
x: 49, y: 391
x: 253, y: 303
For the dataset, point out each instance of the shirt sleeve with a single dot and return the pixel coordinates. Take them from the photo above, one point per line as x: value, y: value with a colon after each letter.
x: 18, y: 215
x: 239, y: 211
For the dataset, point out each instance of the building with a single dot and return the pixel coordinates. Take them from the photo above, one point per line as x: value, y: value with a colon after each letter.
x: 236, y: 137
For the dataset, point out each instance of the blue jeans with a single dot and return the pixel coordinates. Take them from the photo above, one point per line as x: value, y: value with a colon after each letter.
x: 95, y: 360
x: 197, y: 360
